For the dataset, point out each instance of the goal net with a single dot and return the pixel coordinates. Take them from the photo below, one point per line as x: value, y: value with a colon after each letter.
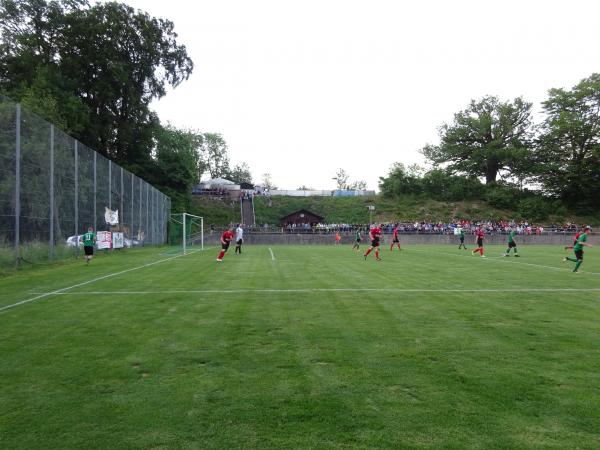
x: 186, y: 232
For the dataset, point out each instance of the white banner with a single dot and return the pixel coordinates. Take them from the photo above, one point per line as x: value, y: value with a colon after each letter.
x: 117, y: 240
x: 104, y: 239
x: 111, y: 217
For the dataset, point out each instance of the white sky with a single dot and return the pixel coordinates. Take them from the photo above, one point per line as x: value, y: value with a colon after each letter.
x: 300, y: 89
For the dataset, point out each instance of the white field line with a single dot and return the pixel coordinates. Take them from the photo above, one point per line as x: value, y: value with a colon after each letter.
x: 63, y: 290
x: 272, y: 255
x: 308, y: 290
x: 503, y: 260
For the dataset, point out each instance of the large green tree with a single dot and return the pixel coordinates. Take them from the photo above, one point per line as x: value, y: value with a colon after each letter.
x: 177, y: 155
x: 568, y: 152
x: 113, y: 59
x: 489, y: 139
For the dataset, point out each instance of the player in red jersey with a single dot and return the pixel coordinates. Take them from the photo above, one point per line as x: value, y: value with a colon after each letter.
x: 226, y: 238
x: 395, y: 239
x: 479, y: 234
x: 375, y: 235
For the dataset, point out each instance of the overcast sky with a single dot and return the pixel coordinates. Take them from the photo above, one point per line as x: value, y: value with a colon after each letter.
x: 300, y: 89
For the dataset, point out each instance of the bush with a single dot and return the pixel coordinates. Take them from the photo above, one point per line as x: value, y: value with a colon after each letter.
x: 503, y: 197
x: 539, y: 208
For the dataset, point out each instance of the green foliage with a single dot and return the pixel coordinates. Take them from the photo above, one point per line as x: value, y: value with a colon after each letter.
x: 568, y: 151
x: 95, y: 69
x: 502, y: 196
x: 240, y: 174
x: 177, y: 159
x: 214, y: 210
x: 436, y: 184
x: 540, y: 208
x: 487, y: 139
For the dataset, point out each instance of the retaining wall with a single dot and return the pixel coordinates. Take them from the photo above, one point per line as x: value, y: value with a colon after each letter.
x: 409, y: 239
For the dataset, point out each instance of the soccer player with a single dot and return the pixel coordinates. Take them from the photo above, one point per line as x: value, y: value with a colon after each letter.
x: 395, y: 238
x: 578, y: 249
x: 511, y: 243
x: 89, y: 240
x: 479, y: 235
x: 226, y: 238
x: 375, y: 235
x: 461, y: 236
x: 356, y: 246
x: 239, y: 238
x: 575, y: 238
x: 338, y: 238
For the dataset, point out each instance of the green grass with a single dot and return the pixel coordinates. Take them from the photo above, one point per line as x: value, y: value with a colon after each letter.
x: 314, y: 349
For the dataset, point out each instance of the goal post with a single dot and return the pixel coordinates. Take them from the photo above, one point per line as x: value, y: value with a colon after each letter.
x: 186, y: 230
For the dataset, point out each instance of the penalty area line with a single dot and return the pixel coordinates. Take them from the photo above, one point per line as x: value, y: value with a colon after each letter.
x: 272, y: 255
x: 64, y: 290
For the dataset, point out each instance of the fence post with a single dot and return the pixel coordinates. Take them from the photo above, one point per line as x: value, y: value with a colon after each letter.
x: 18, y: 185
x: 76, y: 160
x: 140, y: 221
x: 110, y: 184
x: 122, y: 218
x: 51, y: 199
x: 132, y: 227
x: 95, y: 188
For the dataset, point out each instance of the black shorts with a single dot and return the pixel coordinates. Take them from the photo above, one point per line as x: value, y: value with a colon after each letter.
x: 395, y: 241
x: 375, y: 243
x: 225, y: 246
x: 512, y: 244
x: 479, y: 242
x: 462, y: 239
x: 358, y: 241
x: 88, y: 250
x: 239, y: 242
x: 579, y: 254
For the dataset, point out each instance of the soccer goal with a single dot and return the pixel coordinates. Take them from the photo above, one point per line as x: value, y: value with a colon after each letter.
x: 186, y: 230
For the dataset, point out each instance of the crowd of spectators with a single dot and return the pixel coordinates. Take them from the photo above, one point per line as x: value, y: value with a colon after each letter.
x: 427, y: 227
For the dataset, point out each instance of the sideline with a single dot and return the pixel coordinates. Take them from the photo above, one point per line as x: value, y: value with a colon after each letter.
x: 110, y: 275
x: 272, y: 255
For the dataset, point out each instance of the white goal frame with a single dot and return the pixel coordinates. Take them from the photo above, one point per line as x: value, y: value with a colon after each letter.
x: 181, y: 218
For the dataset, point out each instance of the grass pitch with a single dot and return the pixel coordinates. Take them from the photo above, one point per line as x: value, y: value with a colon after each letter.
x: 303, y: 347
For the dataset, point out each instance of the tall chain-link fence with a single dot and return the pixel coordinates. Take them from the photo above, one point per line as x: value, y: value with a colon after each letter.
x: 52, y: 188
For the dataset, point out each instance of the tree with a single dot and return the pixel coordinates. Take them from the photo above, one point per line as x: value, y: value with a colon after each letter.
x: 487, y: 139
x: 113, y: 59
x: 177, y: 159
x: 240, y: 174
x: 213, y: 156
x: 341, y: 178
x: 568, y: 151
x: 267, y: 183
x: 359, y: 185
x: 401, y: 181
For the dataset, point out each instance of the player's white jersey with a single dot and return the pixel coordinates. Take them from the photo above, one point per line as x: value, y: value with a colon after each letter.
x: 239, y: 234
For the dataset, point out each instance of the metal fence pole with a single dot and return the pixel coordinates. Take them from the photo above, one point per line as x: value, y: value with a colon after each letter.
x: 122, y: 220
x: 132, y: 226
x: 140, y: 221
x: 95, y: 188
x: 51, y: 199
x: 18, y: 185
x: 147, y: 221
x: 110, y: 184
x: 76, y: 197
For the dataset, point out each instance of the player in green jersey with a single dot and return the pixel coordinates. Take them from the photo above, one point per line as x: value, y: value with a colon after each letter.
x: 578, y: 249
x: 89, y: 240
x: 356, y: 245
x: 461, y: 236
x: 511, y: 243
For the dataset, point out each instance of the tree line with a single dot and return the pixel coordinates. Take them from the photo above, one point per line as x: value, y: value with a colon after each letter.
x: 494, y: 150
x: 93, y: 71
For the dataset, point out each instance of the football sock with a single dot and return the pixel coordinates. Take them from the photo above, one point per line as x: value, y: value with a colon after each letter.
x: 577, y: 264
x: 221, y: 254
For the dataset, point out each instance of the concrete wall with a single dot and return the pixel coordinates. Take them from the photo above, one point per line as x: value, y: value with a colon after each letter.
x: 409, y: 239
